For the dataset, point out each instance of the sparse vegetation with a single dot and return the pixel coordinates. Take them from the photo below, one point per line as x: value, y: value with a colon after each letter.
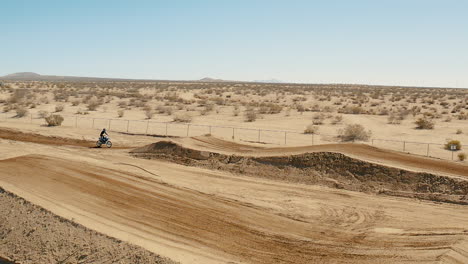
x: 311, y: 129
x: 424, y: 123
x: 354, y: 132
x: 461, y: 156
x: 54, y: 120
x: 451, y: 143
x: 250, y: 115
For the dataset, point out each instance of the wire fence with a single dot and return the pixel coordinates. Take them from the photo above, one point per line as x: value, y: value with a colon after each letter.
x: 244, y: 134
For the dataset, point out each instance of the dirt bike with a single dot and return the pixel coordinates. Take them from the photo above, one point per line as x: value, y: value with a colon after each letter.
x: 104, y: 141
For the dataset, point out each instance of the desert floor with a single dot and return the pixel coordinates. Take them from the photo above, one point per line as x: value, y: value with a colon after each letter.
x: 190, y: 211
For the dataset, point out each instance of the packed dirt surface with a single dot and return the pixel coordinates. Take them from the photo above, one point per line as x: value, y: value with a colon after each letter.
x: 360, y: 151
x: 200, y: 215
x: 16, y: 135
x: 30, y: 234
x: 325, y: 168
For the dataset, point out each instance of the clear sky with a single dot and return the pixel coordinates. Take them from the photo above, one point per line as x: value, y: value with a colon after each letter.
x: 403, y: 42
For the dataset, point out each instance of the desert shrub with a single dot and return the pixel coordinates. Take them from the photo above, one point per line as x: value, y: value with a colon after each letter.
x: 183, y: 118
x: 459, y: 131
x: 250, y: 115
x: 93, y: 105
x: 164, y: 109
x: 449, y: 143
x: 355, y: 110
x: 353, y: 132
x: 81, y: 112
x: 311, y: 129
x: 75, y: 102
x: 120, y: 113
x: 54, y: 120
x: 337, y: 120
x: 59, y: 108
x: 424, y: 123
x: 43, y: 113
x: 461, y: 156
x: 318, y: 119
x: 21, y: 111
x: 149, y: 113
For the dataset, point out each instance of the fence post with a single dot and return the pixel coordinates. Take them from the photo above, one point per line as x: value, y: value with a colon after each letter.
x: 128, y: 123
x: 76, y: 121
x: 188, y: 128
x: 404, y: 145
x: 166, y: 129
x: 427, y: 150
x: 285, y: 137
x: 147, y: 125
x: 232, y: 133
x: 259, y: 135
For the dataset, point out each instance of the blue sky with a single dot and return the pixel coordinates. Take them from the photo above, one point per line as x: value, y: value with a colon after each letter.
x: 410, y: 42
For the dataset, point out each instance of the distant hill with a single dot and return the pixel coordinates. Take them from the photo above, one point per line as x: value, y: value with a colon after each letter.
x: 208, y: 79
x: 269, y: 81
x: 32, y: 76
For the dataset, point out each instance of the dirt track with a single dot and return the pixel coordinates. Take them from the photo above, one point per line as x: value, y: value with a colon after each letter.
x: 202, y: 216
x: 360, y: 151
x: 27, y: 230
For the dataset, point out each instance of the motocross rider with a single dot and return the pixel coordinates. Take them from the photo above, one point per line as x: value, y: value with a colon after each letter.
x: 102, y: 137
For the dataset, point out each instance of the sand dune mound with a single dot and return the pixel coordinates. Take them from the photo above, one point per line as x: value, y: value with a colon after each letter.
x: 325, y: 168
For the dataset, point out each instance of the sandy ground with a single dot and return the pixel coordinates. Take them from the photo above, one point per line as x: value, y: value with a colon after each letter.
x: 30, y: 234
x: 196, y: 215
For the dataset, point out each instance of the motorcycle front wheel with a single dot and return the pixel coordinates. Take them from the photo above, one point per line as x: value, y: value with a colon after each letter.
x: 109, y: 144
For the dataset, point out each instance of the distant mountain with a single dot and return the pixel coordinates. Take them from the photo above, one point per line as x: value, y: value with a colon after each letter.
x: 22, y: 75
x: 269, y: 81
x: 208, y: 79
x: 32, y: 76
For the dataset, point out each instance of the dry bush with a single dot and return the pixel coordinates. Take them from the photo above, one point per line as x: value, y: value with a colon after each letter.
x: 338, y: 119
x: 21, y: 111
x: 54, y: 120
x: 461, y: 156
x: 120, y: 113
x: 250, y: 115
x: 451, y: 143
x: 43, y: 114
x: 353, y: 132
x: 424, y: 123
x: 311, y: 129
x: 318, y: 119
x: 75, y: 102
x: 183, y: 118
x: 459, y: 131
x: 59, y: 108
x: 93, y: 104
x: 164, y: 109
x: 149, y: 113
x: 81, y: 112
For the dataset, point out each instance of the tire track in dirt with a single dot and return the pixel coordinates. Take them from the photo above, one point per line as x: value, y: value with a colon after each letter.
x: 360, y: 151
x: 206, y: 226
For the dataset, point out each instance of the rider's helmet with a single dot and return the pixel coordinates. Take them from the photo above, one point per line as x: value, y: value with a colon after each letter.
x: 104, y: 129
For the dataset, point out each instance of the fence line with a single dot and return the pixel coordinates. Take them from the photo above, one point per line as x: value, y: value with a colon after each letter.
x: 266, y: 136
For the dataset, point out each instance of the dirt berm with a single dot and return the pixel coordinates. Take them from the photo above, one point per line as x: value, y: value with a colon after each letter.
x: 30, y: 234
x: 324, y: 168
